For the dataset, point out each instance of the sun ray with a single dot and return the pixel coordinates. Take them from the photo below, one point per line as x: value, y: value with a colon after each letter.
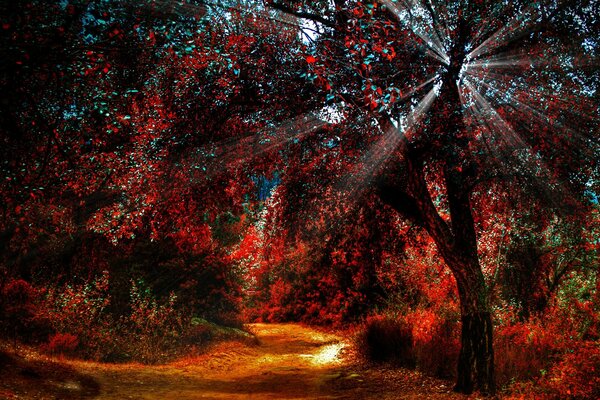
x: 351, y: 188
x: 367, y: 168
x: 442, y: 16
x: 516, y: 154
x: 509, y: 61
x: 494, y: 120
x: 233, y: 153
x: 572, y: 105
x: 527, y: 110
x: 412, y: 16
x: 521, y: 24
x: 411, y: 92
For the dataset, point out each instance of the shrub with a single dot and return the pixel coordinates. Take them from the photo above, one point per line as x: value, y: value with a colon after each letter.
x: 436, y: 341
x: 524, y: 350
x: 81, y: 310
x: 577, y: 375
x: 386, y: 339
x: 153, y: 328
x: 62, y: 344
x: 21, y: 315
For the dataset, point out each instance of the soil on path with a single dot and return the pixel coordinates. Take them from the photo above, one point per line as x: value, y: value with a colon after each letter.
x: 289, y: 362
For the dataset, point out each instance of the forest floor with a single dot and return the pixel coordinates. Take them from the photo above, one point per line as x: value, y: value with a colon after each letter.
x: 289, y: 362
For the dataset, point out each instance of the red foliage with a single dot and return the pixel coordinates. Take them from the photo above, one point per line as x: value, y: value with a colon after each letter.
x: 20, y: 312
x: 62, y: 344
x: 577, y: 375
x: 436, y: 341
x: 524, y: 350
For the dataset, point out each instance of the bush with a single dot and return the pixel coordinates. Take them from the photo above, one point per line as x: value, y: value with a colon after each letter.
x: 21, y: 315
x: 386, y: 339
x: 524, y: 350
x: 153, y: 328
x: 577, y: 375
x: 61, y: 344
x: 81, y: 310
x: 436, y: 341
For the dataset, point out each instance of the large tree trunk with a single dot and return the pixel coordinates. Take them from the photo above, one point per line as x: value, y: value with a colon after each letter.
x: 476, y: 359
x: 445, y: 143
x: 457, y: 243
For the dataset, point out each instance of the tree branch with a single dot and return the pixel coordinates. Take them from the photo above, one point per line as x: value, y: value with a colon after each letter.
x: 401, y: 202
x: 302, y: 14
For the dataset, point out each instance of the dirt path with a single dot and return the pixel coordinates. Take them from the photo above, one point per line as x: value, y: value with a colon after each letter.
x: 290, y: 362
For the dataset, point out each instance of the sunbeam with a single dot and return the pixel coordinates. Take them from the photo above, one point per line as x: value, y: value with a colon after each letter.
x: 230, y: 154
x: 527, y: 110
x: 521, y: 24
x: 494, y: 121
x: 515, y: 154
x: 413, y: 16
x: 354, y: 184
x: 508, y: 61
x: 515, y: 90
x: 372, y: 161
x: 412, y: 91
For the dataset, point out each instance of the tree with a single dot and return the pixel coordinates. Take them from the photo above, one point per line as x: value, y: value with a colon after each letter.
x: 480, y: 123
x: 412, y: 106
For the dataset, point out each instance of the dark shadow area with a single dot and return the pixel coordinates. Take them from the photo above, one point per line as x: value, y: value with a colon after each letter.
x: 22, y: 378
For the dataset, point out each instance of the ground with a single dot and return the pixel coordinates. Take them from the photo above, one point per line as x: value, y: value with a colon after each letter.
x: 289, y: 361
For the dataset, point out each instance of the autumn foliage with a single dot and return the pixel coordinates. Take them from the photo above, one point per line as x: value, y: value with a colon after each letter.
x: 399, y: 169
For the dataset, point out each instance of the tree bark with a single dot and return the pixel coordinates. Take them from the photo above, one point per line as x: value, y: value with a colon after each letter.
x: 458, y: 248
x: 456, y: 241
x: 476, y: 360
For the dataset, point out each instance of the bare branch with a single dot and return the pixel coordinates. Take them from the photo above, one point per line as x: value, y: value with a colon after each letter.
x: 302, y: 14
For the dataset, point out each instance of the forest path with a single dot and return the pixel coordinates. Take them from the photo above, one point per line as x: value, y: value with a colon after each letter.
x: 290, y: 362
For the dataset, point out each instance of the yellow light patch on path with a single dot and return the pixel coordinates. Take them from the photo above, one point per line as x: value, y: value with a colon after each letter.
x: 291, y: 361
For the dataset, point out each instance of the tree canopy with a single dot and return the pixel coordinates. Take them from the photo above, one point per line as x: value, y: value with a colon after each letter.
x: 174, y: 121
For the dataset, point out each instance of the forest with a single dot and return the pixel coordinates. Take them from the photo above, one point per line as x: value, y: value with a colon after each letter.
x: 419, y: 179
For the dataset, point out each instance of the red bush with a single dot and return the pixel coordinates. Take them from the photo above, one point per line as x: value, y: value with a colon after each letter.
x: 577, y: 375
x: 18, y: 291
x: 62, y: 343
x: 436, y: 341
x: 20, y: 314
x: 524, y: 350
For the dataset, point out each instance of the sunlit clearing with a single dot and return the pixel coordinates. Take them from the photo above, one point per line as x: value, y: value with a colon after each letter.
x: 328, y: 354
